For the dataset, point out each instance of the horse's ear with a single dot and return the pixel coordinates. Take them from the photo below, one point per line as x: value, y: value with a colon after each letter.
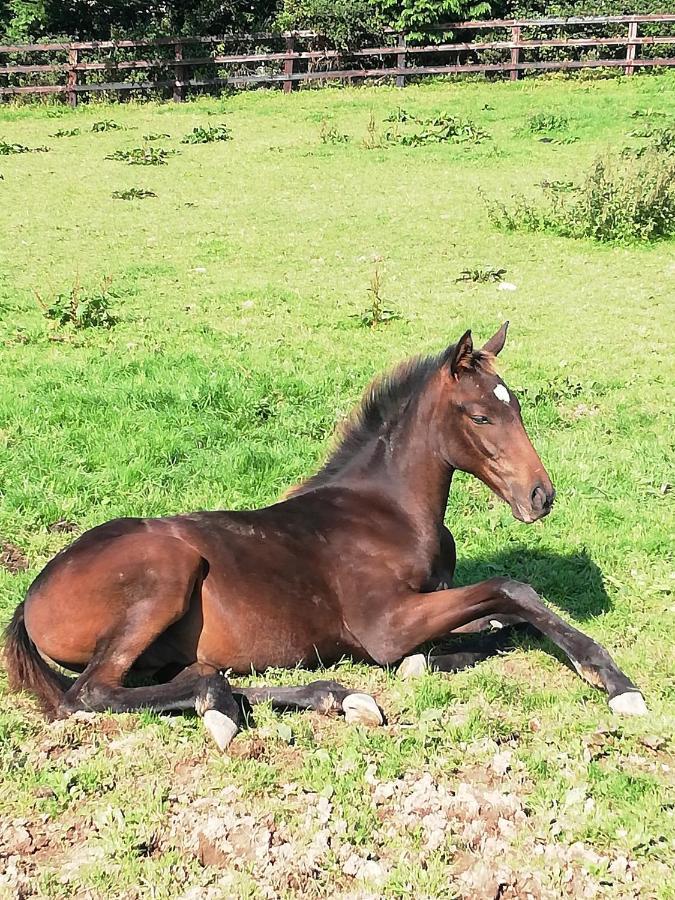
x: 461, y: 352
x: 497, y: 341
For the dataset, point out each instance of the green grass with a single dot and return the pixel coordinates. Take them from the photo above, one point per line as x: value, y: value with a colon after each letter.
x: 239, y: 292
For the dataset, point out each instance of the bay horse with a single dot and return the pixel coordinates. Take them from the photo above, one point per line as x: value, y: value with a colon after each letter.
x: 354, y: 562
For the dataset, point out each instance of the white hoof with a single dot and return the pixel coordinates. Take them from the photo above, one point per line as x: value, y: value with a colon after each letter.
x: 413, y: 666
x: 631, y: 703
x: 361, y: 709
x: 221, y: 727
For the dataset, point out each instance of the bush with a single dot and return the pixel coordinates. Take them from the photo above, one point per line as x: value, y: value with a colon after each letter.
x: 352, y: 23
x: 345, y: 23
x: 630, y: 200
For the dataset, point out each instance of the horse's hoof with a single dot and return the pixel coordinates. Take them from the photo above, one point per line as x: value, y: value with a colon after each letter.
x: 221, y: 728
x: 413, y: 666
x: 361, y: 709
x: 630, y: 703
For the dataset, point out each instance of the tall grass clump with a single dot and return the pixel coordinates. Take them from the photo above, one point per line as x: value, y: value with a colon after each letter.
x: 618, y: 200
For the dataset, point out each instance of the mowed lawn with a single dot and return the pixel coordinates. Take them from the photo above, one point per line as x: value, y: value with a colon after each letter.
x: 238, y: 348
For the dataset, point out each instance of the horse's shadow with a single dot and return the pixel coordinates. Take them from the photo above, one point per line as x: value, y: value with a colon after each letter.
x: 572, y: 581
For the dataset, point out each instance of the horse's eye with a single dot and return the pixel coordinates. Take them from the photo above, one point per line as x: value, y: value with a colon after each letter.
x: 480, y: 420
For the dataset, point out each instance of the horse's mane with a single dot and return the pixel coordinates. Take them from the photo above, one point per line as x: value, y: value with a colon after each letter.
x: 383, y: 403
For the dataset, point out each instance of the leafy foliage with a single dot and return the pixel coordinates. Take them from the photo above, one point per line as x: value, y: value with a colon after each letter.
x: 106, y: 125
x: 133, y: 194
x: 481, y: 274
x: 143, y: 156
x: 662, y: 141
x: 201, y: 134
x: 436, y: 129
x: 9, y: 149
x: 345, y: 23
x: 417, y: 17
x: 634, y: 201
x: 543, y: 122
x: 329, y: 134
x: 80, y: 308
x: 66, y: 132
x: 376, y: 313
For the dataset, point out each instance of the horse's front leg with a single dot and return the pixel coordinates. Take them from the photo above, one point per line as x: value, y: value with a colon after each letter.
x: 414, y: 619
x: 441, y: 578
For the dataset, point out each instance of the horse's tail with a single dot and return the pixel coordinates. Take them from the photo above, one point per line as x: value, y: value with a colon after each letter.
x: 27, y: 670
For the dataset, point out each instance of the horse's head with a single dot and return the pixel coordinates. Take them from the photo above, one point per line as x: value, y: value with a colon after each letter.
x: 485, y: 434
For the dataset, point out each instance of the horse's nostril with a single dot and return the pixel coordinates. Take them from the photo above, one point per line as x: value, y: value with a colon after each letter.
x: 539, y: 498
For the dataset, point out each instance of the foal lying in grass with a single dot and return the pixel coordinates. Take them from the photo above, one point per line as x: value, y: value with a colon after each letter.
x: 356, y: 561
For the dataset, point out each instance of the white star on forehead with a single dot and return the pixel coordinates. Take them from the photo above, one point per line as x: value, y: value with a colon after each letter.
x: 502, y: 394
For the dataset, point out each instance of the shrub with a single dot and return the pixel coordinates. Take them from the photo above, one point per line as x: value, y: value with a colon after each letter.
x: 631, y: 200
x: 344, y: 23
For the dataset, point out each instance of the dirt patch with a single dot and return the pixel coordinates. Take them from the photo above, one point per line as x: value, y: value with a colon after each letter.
x: 63, y: 526
x: 12, y: 558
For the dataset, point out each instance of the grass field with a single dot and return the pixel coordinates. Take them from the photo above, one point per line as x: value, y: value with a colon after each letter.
x: 238, y: 347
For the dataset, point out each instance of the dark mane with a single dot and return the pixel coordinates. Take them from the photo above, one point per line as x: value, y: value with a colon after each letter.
x: 384, y: 401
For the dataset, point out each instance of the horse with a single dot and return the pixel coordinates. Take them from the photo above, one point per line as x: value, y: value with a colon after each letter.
x: 354, y: 562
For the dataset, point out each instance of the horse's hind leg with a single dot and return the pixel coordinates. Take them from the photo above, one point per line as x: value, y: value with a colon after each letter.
x: 159, y: 586
x: 197, y: 687
x: 321, y: 696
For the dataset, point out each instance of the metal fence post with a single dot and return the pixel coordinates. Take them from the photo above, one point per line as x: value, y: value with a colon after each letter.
x: 515, y: 52
x: 289, y: 64
x: 401, y: 61
x: 631, y: 48
x: 73, y: 57
x: 178, y: 74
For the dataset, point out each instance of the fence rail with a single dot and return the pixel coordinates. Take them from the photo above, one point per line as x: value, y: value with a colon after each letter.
x: 177, y: 65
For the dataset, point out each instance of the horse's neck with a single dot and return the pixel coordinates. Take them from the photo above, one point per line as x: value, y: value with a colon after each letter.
x: 405, y: 463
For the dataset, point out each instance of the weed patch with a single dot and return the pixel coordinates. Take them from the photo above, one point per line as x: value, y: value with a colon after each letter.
x: 414, y: 131
x: 66, y: 132
x: 10, y: 149
x: 143, y: 156
x: 543, y: 122
x: 81, y: 308
x: 617, y: 201
x: 329, y: 134
x: 376, y: 313
x: 132, y: 194
x: 107, y: 125
x: 208, y: 134
x: 481, y: 274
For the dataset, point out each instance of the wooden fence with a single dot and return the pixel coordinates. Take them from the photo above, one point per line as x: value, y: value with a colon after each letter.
x: 175, y: 66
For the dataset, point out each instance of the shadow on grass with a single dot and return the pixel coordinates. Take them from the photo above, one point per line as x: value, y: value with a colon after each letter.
x: 573, y: 582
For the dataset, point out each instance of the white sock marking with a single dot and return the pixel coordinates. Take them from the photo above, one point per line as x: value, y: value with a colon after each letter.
x: 221, y: 727
x: 631, y: 703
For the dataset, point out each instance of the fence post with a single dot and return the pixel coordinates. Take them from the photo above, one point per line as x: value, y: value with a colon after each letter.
x: 401, y: 61
x: 178, y: 74
x: 515, y: 52
x: 73, y: 57
x: 631, y: 48
x: 289, y: 63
